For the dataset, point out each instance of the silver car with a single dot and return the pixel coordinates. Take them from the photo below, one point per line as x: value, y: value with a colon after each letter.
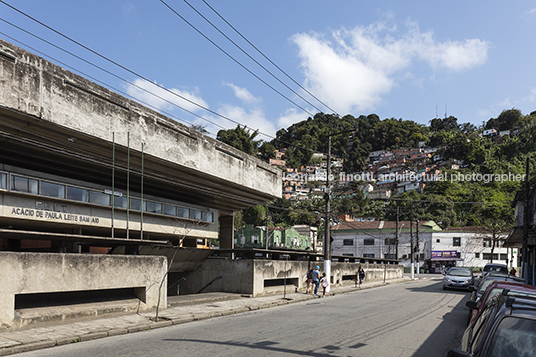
x: 458, y: 277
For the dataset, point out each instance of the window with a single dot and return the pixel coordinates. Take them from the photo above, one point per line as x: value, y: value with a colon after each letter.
x: 23, y: 184
x: 368, y: 255
x: 456, y: 241
x: 195, y: 214
x: 100, y: 198
x: 503, y: 256
x: 153, y: 207
x: 51, y: 189
x: 390, y: 241
x: 208, y: 217
x: 135, y: 204
x: 348, y: 254
x: 183, y: 212
x: 3, y: 181
x: 438, y: 240
x: 254, y: 239
x: 489, y: 256
x: 368, y: 242
x: 170, y: 210
x: 390, y: 256
x: 77, y: 194
x: 477, y: 255
x: 120, y: 202
x: 347, y: 242
x: 487, y: 243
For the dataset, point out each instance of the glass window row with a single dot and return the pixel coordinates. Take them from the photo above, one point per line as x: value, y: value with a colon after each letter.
x: 56, y: 190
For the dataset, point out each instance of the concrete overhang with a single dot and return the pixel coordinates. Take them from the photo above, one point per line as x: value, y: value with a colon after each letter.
x: 85, y: 239
x: 54, y: 121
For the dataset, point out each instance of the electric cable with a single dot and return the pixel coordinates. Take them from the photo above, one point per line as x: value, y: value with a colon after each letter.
x: 106, y: 71
x: 136, y: 74
x: 250, y: 57
x: 234, y: 59
x: 142, y: 77
x: 269, y: 60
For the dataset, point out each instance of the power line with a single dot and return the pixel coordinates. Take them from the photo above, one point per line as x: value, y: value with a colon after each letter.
x: 250, y: 57
x: 269, y: 60
x: 144, y: 78
x: 234, y: 59
x: 106, y: 71
x: 106, y: 84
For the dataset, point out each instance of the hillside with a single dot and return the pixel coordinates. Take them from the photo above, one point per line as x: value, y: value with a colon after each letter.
x: 483, y: 155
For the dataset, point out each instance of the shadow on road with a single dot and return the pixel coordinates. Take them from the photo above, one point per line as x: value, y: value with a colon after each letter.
x: 450, y: 331
x: 264, y: 346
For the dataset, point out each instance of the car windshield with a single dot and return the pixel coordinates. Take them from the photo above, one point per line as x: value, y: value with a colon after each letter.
x: 460, y: 272
x: 514, y: 337
x: 484, y: 285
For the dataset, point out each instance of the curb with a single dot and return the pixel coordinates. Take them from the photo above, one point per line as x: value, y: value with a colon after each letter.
x: 168, y: 321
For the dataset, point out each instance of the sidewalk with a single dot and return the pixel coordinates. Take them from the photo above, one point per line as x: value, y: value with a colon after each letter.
x: 181, y: 309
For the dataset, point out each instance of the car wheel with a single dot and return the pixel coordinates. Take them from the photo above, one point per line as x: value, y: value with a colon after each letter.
x: 444, y: 288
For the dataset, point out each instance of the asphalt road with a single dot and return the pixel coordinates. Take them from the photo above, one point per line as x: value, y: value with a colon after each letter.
x: 413, y: 318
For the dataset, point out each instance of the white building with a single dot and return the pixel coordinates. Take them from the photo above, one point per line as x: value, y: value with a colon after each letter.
x: 434, y: 247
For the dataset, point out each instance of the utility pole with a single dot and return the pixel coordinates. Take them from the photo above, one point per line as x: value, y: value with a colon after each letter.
x: 327, y: 233
x: 411, y: 244
x: 525, y: 264
x: 397, y: 236
x: 417, y: 246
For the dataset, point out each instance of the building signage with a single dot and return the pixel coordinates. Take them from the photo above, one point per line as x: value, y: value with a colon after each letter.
x: 49, y: 211
x: 444, y: 254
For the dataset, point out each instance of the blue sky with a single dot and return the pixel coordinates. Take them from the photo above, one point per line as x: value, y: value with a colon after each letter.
x: 401, y: 59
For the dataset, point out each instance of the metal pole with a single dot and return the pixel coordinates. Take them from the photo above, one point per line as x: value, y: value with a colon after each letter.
x: 141, y: 194
x: 128, y: 184
x: 411, y: 244
x: 113, y: 181
x: 327, y: 233
x: 417, y: 246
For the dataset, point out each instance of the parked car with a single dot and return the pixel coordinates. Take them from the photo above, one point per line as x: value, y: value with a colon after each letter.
x: 505, y: 327
x: 458, y: 277
x: 494, y: 267
x: 497, y: 287
x: 483, y: 284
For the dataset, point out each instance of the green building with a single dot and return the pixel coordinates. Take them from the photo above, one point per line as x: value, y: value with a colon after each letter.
x: 255, y: 237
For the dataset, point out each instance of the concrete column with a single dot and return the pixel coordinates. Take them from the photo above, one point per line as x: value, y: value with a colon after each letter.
x: 227, y: 233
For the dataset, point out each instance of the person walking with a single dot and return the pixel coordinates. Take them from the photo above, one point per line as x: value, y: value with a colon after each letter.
x: 309, y: 282
x: 316, y: 279
x: 361, y: 274
x: 325, y: 283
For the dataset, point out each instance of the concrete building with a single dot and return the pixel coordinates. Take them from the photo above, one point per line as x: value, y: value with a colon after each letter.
x: 434, y: 247
x: 85, y: 170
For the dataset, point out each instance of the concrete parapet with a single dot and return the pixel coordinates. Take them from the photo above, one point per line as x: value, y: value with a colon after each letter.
x: 24, y: 274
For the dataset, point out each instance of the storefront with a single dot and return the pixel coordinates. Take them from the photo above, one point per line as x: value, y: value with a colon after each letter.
x: 442, y: 259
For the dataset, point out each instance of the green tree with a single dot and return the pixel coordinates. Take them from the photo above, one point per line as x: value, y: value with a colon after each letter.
x: 240, y: 138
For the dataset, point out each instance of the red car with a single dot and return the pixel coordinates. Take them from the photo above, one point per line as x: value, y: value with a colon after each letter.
x: 497, y: 287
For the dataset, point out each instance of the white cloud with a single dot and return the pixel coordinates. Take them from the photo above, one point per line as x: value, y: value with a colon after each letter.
x: 357, y: 67
x: 290, y: 117
x: 253, y: 119
x: 243, y: 94
x: 162, y: 99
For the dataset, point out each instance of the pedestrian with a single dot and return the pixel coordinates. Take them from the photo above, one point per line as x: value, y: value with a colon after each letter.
x: 361, y: 274
x: 513, y: 271
x: 309, y: 282
x: 325, y: 283
x: 316, y: 279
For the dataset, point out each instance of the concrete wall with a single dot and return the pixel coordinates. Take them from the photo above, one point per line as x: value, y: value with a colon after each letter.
x: 40, y: 88
x: 26, y: 273
x: 261, y: 276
